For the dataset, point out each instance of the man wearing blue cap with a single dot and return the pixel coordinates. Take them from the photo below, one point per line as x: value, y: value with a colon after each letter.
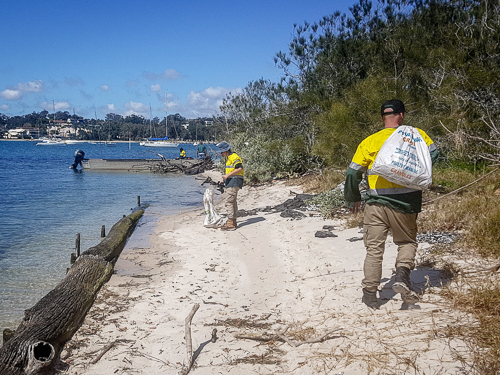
x: 233, y: 179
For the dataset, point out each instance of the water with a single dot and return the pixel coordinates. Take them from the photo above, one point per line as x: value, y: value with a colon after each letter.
x: 44, y: 204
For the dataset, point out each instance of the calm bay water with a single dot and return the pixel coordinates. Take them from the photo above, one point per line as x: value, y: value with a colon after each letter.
x: 45, y: 204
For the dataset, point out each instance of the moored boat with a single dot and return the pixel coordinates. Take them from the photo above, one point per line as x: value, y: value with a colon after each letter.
x: 158, y: 142
x: 139, y: 165
x: 50, y: 142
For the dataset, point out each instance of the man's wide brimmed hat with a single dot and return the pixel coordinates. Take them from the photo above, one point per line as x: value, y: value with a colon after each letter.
x: 223, y: 147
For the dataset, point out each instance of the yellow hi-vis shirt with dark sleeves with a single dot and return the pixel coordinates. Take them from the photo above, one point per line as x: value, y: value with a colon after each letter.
x: 233, y: 162
x: 381, y: 191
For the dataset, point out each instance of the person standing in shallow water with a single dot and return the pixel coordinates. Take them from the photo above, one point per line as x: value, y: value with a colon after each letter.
x: 389, y: 206
x: 233, y: 180
x: 201, y: 152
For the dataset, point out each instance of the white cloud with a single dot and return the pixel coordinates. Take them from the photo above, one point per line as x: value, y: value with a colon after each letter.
x: 104, y: 88
x: 59, y: 106
x: 9, y: 94
x: 111, y: 107
x: 4, y: 107
x: 16, y: 93
x: 33, y: 86
x: 171, y: 74
x: 172, y: 105
x: 136, y: 108
x: 168, y: 74
x: 208, y: 101
x: 156, y: 88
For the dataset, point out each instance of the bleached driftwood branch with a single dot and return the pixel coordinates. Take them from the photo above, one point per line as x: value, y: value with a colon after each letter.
x: 189, y: 343
x: 280, y: 336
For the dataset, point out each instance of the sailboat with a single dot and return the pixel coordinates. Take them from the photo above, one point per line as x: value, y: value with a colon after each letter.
x: 51, y: 141
x: 109, y: 142
x: 196, y: 143
x: 158, y: 142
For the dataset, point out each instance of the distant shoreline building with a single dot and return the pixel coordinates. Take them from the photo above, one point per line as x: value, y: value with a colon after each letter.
x: 25, y: 132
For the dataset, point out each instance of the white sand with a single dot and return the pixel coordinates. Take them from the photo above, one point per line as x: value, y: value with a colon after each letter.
x: 272, y: 275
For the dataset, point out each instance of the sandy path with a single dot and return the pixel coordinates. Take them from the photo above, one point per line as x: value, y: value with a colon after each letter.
x: 270, y: 276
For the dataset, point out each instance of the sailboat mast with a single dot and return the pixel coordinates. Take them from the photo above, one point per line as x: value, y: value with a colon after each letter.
x: 166, y: 127
x: 53, y: 106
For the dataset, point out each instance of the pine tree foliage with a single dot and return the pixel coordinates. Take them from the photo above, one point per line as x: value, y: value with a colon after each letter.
x: 441, y: 57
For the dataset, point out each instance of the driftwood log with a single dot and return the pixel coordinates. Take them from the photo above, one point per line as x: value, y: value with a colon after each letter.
x: 36, y: 346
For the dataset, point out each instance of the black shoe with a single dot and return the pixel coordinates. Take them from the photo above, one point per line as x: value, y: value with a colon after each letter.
x: 402, y: 285
x: 370, y: 299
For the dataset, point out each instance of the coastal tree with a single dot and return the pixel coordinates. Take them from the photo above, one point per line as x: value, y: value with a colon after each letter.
x: 438, y: 56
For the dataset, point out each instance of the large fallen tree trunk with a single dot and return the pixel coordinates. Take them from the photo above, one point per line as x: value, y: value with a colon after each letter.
x: 39, y: 340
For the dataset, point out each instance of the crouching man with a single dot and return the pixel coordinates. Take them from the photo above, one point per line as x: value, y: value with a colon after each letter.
x: 389, y: 206
x: 79, y: 157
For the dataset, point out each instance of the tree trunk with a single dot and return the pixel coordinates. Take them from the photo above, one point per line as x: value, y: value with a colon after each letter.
x: 39, y: 340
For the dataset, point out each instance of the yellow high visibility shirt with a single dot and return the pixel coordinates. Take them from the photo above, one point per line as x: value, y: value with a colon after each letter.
x: 367, y: 153
x: 232, y: 162
x: 382, y: 191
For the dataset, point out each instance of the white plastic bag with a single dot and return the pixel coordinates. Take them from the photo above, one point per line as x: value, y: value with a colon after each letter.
x: 212, y: 219
x: 405, y: 159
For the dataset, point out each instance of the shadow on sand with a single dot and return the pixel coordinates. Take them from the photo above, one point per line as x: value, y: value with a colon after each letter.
x: 251, y: 221
x: 422, y: 278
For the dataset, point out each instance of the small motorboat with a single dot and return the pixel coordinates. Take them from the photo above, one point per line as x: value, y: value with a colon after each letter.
x: 51, y: 142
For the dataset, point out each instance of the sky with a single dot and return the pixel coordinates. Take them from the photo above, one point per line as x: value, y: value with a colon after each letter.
x: 147, y: 57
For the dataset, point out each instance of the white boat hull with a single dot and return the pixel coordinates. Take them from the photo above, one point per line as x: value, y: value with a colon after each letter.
x: 158, y: 144
x: 51, y: 143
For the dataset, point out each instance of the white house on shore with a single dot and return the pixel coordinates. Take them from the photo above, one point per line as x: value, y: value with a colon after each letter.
x: 22, y: 133
x: 62, y: 128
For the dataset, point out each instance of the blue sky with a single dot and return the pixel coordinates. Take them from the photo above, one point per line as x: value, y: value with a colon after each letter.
x: 124, y: 56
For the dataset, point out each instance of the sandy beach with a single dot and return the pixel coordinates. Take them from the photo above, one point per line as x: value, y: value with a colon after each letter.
x: 282, y: 301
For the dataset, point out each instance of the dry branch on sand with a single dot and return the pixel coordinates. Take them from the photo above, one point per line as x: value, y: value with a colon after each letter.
x: 280, y: 336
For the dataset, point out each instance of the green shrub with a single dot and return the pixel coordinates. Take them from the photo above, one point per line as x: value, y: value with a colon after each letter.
x: 264, y: 158
x: 328, y: 202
